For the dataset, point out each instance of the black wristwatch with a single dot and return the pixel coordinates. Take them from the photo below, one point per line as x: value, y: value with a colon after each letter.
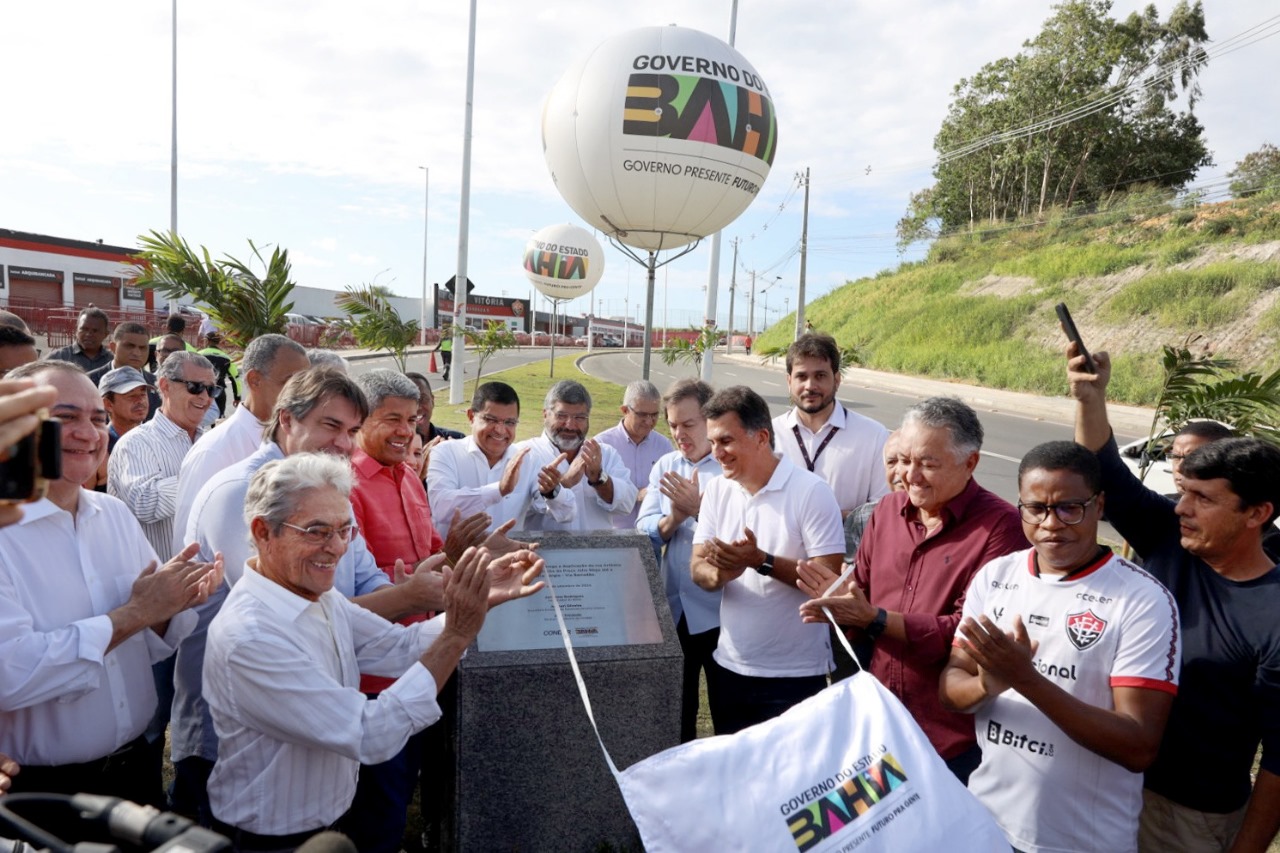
x: 876, y: 626
x: 604, y: 478
x: 766, y: 568
x: 555, y: 491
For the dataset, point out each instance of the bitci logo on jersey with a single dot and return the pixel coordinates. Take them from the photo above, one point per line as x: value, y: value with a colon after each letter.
x: 1084, y: 629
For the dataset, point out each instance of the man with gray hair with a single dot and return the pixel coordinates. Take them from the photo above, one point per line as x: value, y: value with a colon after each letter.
x: 599, y: 479
x: 638, y: 444
x: 918, y: 553
x: 324, y: 357
x: 282, y: 667
x: 269, y: 361
x: 143, y: 468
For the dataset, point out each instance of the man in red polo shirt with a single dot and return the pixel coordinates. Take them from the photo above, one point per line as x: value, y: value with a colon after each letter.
x: 391, y: 509
x: 920, y: 549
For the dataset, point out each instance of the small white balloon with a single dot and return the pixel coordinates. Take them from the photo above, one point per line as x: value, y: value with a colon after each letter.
x: 563, y: 261
x: 660, y: 136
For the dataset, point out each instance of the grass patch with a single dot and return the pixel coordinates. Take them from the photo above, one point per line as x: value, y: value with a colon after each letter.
x: 1191, y: 300
x: 1054, y: 264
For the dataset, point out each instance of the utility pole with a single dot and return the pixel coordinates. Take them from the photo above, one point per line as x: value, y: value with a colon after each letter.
x: 751, y: 311
x: 733, y: 281
x: 804, y: 251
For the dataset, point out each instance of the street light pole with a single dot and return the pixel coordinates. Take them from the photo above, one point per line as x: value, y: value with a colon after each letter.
x: 426, y: 197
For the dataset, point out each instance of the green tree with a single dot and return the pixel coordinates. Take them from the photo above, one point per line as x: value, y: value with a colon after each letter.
x: 1083, y: 110
x: 376, y: 324
x: 1197, y: 386
x: 239, y: 301
x: 691, y: 351
x: 486, y: 343
x: 1257, y: 174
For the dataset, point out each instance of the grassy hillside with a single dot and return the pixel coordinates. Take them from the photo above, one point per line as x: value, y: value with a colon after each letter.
x: 1140, y: 275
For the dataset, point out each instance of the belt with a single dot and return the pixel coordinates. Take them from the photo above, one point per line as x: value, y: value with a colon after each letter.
x: 243, y: 839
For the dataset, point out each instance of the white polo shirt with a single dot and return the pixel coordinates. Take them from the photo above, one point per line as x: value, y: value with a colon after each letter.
x: 794, y: 515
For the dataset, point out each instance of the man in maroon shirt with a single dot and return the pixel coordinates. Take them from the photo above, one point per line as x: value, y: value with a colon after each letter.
x: 917, y: 556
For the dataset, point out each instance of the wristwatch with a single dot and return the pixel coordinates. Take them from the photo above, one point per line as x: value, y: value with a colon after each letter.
x: 876, y: 627
x: 555, y: 491
x: 766, y: 568
x: 604, y: 478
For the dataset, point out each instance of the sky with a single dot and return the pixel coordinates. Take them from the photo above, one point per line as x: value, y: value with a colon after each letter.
x: 305, y: 124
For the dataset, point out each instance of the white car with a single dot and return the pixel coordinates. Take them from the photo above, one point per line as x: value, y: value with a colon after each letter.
x: 1159, y: 476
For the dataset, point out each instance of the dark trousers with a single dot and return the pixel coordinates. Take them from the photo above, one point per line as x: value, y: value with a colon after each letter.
x: 190, y: 792
x: 446, y: 359
x: 439, y: 763
x: 963, y: 765
x: 127, y: 773
x: 738, y: 701
x: 376, y: 820
x: 698, y: 649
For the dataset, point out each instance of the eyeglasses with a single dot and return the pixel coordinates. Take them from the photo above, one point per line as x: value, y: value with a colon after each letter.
x: 320, y: 534
x: 509, y: 423
x: 648, y: 416
x: 1068, y: 512
x: 562, y: 418
x: 198, y: 387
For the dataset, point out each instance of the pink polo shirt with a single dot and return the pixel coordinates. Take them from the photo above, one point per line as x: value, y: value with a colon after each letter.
x: 391, y: 508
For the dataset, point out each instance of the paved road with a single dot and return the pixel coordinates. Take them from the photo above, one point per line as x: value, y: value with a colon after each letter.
x: 1008, y: 436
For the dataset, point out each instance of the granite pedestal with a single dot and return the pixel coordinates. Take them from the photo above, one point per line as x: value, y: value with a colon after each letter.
x: 530, y: 775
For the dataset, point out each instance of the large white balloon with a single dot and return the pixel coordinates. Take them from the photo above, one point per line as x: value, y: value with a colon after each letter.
x: 660, y: 136
x: 563, y: 261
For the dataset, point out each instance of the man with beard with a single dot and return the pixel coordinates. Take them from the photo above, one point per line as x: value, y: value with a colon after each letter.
x: 820, y: 435
x: 596, y: 474
x: 485, y: 473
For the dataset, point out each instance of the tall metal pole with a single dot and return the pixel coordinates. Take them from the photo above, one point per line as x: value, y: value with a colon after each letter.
x: 713, y: 263
x: 457, y: 379
x: 648, y: 315
x: 426, y: 199
x: 804, y: 252
x: 173, y: 146
x: 751, y: 312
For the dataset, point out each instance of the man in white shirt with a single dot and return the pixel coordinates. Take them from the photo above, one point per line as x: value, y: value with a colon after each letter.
x: 283, y: 664
x: 268, y: 362
x: 484, y: 473
x: 83, y: 614
x: 757, y: 521
x: 820, y: 435
x: 318, y: 411
x: 599, y: 480
x: 669, y: 516
x: 143, y: 469
x: 1068, y: 657
x: 637, y: 442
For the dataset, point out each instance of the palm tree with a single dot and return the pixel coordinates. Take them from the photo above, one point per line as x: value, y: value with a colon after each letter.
x: 240, y: 302
x: 376, y: 324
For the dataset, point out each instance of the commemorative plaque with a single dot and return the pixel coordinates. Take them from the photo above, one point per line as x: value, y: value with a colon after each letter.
x: 522, y: 737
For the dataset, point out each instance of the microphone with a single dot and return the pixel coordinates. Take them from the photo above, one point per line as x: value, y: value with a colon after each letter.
x: 328, y: 842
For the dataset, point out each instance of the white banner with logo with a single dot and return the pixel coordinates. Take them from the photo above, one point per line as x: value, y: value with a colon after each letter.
x: 847, y: 769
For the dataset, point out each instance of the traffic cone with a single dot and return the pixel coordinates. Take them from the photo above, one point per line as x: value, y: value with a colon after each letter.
x: 431, y: 368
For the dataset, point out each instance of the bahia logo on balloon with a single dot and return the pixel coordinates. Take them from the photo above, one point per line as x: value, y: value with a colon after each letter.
x: 563, y: 261
x: 660, y: 136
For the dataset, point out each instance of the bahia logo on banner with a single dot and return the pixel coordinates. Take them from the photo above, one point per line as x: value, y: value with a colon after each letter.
x: 841, y: 801
x: 554, y: 261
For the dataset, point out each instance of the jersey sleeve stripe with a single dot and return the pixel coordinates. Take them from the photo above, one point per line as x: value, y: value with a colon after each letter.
x: 1144, y: 683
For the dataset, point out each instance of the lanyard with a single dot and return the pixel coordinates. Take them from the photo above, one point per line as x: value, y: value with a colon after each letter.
x: 821, y: 447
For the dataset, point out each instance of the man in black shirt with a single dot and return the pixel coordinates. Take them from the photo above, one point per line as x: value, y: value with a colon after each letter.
x: 1207, y: 550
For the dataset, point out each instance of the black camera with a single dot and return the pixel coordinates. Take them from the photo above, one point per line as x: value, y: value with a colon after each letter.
x: 28, y: 465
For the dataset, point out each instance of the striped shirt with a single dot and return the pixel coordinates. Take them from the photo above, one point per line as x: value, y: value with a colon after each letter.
x: 282, y: 675
x: 143, y: 472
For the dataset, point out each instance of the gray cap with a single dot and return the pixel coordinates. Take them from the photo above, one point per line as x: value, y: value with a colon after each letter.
x: 123, y: 379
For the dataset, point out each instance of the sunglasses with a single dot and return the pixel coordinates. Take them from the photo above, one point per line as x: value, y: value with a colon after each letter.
x: 197, y: 388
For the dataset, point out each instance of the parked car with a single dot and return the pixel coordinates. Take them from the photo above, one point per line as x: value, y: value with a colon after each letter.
x: 1159, y: 469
